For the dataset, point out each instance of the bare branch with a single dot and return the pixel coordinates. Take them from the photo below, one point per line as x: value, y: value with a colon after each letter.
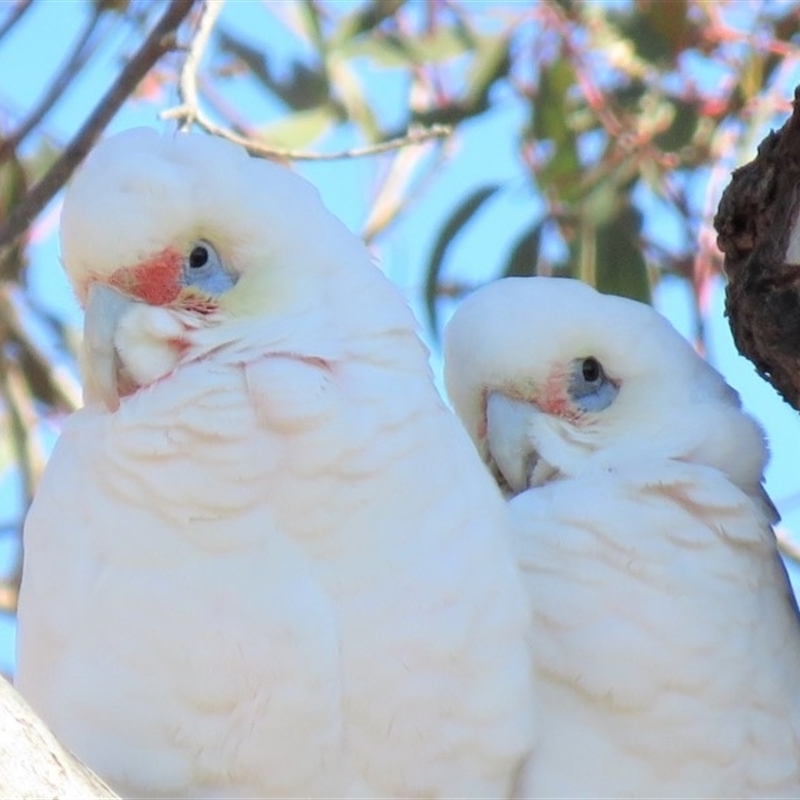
x: 187, y: 87
x: 77, y: 58
x: 189, y: 112
x: 160, y: 41
x: 32, y: 762
x: 14, y: 16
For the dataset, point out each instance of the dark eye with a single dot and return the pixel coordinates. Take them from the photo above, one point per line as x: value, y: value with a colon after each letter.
x: 591, y: 369
x: 590, y: 389
x: 198, y: 257
x: 204, y: 269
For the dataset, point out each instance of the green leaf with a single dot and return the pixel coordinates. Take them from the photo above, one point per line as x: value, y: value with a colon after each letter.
x: 602, y: 202
x: 389, y: 51
x: 682, y: 129
x: 751, y: 77
x: 550, y: 122
x: 13, y: 184
x: 309, y: 18
x: 365, y: 19
x: 38, y: 377
x: 455, y: 222
x: 300, y: 129
x: 351, y: 94
x: 441, y: 44
x: 251, y: 57
x: 620, y: 266
x: 524, y: 255
x: 392, y: 50
x: 670, y: 20
x: 118, y: 6
x: 629, y: 94
x: 41, y: 160
x: 658, y: 29
x: 8, y: 459
x: 306, y: 86
x: 550, y: 108
x: 492, y: 62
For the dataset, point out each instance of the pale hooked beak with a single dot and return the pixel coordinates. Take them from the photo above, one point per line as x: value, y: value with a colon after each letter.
x: 508, y: 436
x: 104, y: 309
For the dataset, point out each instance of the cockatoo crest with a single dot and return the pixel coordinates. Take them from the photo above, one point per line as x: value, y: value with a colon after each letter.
x: 552, y: 378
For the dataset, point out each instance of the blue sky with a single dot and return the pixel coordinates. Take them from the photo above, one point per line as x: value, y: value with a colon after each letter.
x: 484, y: 151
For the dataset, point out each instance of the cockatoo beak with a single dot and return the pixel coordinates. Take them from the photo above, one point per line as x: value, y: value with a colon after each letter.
x: 104, y: 309
x: 509, y: 440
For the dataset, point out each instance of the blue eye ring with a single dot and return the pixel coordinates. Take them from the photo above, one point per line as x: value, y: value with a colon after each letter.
x: 590, y: 389
x: 204, y: 270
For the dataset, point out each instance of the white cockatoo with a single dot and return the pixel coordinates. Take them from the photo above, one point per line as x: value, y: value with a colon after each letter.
x: 665, y: 640
x: 264, y: 559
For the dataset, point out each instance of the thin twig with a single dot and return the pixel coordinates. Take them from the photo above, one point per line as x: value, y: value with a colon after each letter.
x: 73, y: 65
x: 187, y: 86
x: 189, y: 112
x: 400, y: 189
x: 14, y: 16
x: 160, y: 41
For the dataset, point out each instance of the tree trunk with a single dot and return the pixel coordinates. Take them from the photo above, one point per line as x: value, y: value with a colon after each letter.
x: 758, y: 232
x: 32, y: 762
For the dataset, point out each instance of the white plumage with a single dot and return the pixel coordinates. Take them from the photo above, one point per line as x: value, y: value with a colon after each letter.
x: 263, y: 560
x: 665, y: 640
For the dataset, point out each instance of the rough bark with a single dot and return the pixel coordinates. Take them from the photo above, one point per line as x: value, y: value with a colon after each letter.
x: 32, y: 762
x: 758, y: 233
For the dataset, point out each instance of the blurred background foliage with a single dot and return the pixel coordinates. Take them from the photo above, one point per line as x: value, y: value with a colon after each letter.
x: 634, y: 112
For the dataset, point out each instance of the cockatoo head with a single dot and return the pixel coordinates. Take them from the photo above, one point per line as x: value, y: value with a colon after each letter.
x: 193, y: 226
x: 552, y: 378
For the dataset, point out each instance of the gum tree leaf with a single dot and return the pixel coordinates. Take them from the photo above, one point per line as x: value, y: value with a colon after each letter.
x: 455, y: 222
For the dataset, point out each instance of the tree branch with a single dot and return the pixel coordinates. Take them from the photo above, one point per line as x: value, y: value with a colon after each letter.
x: 33, y: 764
x: 14, y: 16
x: 71, y: 68
x: 190, y: 112
x: 757, y: 224
x: 187, y: 86
x: 160, y: 41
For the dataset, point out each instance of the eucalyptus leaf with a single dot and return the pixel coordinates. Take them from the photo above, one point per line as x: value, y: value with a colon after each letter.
x: 458, y: 218
x: 300, y: 129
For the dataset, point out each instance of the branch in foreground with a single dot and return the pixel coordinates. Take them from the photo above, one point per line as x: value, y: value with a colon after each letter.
x: 32, y: 762
x: 160, y: 41
x: 759, y: 233
x: 189, y: 112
